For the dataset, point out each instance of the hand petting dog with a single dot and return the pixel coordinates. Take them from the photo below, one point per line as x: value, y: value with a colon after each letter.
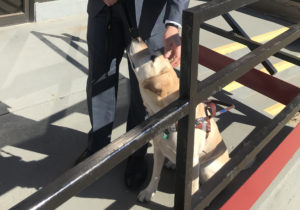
x: 172, y: 42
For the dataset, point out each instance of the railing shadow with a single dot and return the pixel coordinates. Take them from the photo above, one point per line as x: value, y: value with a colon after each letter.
x: 62, y: 145
x: 69, y: 40
x: 59, y: 147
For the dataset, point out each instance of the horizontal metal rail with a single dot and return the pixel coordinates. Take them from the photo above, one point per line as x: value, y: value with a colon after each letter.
x: 248, y: 42
x: 235, y: 70
x: 78, y: 178
x: 191, y: 93
x: 238, y: 29
x: 242, y: 156
x: 192, y: 20
x: 271, y: 87
x: 228, y: 74
x: 215, y: 8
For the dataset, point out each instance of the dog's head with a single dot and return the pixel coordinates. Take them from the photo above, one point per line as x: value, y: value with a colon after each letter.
x: 158, y: 81
x: 145, y: 63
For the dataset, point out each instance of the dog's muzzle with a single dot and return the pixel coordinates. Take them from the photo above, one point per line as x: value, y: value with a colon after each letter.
x: 141, y: 57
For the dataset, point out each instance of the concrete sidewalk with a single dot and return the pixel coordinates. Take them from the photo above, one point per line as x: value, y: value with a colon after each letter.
x: 43, y: 115
x: 43, y: 112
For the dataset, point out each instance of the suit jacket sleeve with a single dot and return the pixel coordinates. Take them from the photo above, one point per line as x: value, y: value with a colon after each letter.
x: 174, y: 10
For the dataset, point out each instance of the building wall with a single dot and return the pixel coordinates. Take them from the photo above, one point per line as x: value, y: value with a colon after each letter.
x: 47, y: 10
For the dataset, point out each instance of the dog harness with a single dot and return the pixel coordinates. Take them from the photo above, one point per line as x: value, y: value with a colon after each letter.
x: 203, y: 123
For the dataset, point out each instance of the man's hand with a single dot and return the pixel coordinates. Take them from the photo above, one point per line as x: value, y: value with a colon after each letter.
x: 172, y: 43
x: 110, y: 2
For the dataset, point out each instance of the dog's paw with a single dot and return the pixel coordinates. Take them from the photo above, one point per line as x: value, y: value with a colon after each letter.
x: 145, y: 195
x: 170, y: 165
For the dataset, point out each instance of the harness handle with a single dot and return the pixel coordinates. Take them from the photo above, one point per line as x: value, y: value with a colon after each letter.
x: 212, y: 106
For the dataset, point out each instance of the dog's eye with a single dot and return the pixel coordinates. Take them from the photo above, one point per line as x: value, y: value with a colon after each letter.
x: 152, y: 57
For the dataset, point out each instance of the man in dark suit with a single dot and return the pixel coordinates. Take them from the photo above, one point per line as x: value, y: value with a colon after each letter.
x: 158, y: 23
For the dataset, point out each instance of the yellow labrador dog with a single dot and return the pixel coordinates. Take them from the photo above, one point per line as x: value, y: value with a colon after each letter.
x: 159, y: 86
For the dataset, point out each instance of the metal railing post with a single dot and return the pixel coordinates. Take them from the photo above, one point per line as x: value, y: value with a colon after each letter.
x: 188, y: 90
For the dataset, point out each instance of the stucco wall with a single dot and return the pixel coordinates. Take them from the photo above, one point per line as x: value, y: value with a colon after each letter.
x: 58, y: 9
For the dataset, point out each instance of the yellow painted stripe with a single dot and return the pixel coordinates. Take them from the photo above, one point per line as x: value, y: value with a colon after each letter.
x: 260, y: 38
x: 232, y: 86
x: 237, y: 46
x: 280, y: 66
x: 275, y: 109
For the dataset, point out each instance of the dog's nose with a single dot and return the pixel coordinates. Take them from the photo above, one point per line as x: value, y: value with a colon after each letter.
x: 152, y: 57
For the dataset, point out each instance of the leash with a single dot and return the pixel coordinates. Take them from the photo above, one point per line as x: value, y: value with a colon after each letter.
x: 132, y: 31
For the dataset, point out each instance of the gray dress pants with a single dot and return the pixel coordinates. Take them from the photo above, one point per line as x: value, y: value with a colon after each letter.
x: 102, y: 87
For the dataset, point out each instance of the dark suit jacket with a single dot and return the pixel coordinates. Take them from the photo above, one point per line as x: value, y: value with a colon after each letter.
x: 173, y: 8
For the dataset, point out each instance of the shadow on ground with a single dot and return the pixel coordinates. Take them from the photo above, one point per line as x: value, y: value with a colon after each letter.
x: 62, y: 145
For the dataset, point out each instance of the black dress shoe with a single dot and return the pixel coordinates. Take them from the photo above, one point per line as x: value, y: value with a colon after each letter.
x: 135, y: 172
x: 86, y: 153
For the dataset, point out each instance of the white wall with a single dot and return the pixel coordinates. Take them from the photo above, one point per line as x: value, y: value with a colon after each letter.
x: 59, y: 9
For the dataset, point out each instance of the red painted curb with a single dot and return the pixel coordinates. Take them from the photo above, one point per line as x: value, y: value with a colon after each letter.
x: 253, y: 188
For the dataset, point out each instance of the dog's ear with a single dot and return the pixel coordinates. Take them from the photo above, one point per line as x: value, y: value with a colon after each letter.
x: 157, y: 84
